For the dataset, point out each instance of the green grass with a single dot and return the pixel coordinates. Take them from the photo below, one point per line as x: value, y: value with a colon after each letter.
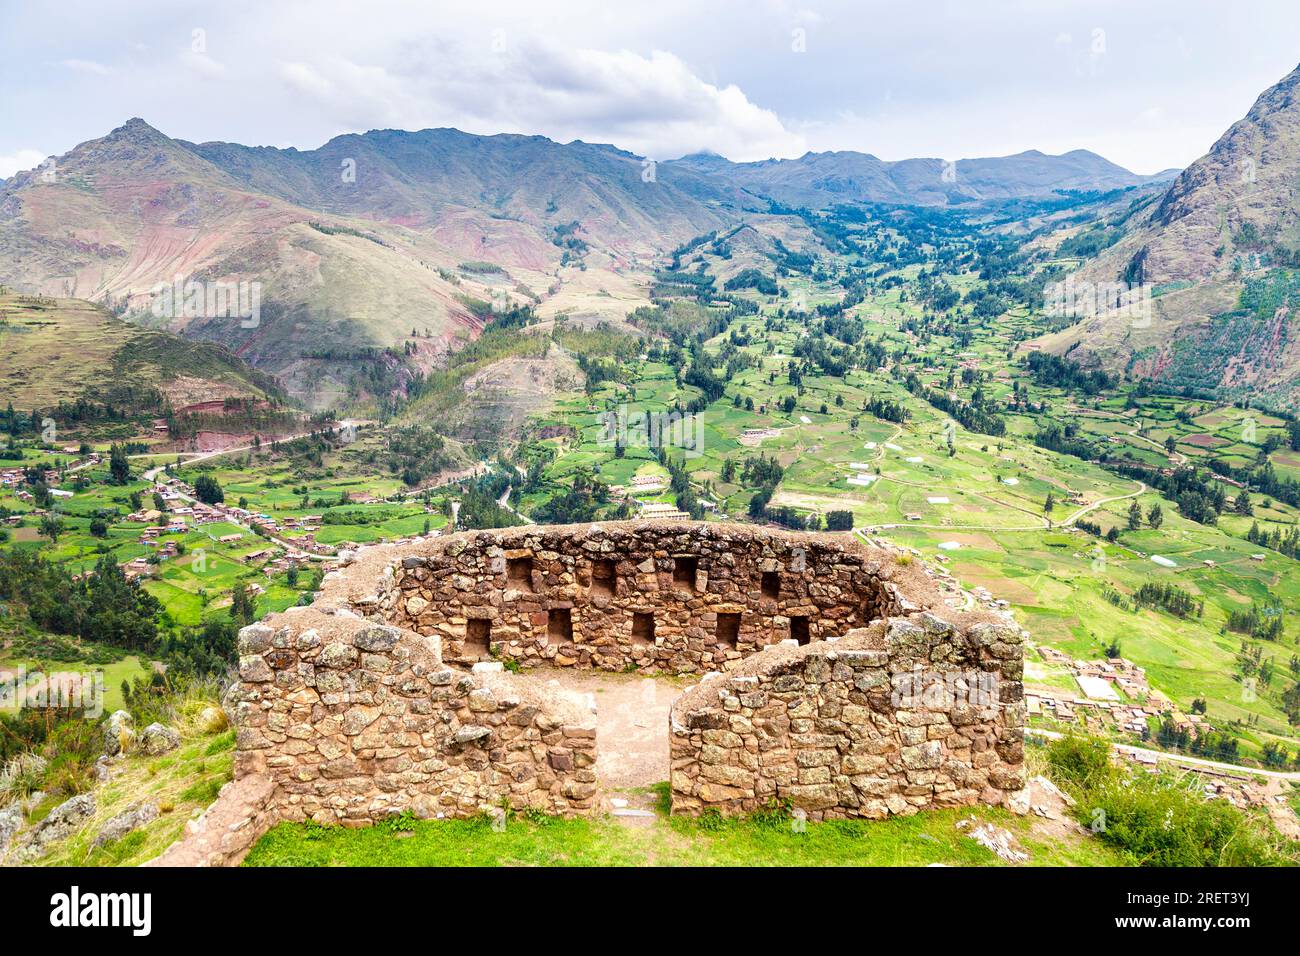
x: 114, y: 673
x: 670, y: 841
x: 87, y: 345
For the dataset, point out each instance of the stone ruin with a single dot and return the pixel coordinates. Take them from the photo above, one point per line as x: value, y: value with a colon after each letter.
x: 834, y: 681
x: 908, y: 713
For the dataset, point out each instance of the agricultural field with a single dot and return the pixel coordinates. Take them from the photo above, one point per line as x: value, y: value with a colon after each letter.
x: 207, y: 561
x: 862, y: 410
x: 1047, y: 531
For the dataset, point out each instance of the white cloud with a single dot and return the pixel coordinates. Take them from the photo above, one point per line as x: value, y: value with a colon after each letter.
x: 18, y: 161
x: 305, y: 79
x: 203, y: 64
x: 87, y: 66
x: 896, y: 80
x: 653, y: 105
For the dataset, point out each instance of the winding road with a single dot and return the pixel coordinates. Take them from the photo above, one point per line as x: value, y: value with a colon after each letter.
x: 1102, y: 501
x: 152, y: 473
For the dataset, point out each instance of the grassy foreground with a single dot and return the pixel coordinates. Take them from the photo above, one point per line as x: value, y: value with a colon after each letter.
x: 919, y: 840
x: 180, y: 784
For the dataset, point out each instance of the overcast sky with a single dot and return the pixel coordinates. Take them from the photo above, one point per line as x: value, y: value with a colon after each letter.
x: 1148, y: 84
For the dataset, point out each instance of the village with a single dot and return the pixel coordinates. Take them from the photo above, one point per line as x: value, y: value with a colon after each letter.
x: 1113, y: 695
x: 292, y: 539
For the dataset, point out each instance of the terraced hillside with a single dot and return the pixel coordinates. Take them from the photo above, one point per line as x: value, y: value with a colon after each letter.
x: 56, y: 351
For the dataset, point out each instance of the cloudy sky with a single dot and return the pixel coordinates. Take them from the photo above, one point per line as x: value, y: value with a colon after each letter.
x: 1147, y: 84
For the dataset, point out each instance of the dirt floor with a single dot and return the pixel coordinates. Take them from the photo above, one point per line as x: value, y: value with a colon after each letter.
x: 631, y: 724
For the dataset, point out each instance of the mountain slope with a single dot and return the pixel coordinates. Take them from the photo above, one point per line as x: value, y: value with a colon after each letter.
x: 100, y: 358
x: 821, y: 179
x: 346, y: 269
x: 1236, y: 202
x: 415, y: 178
x: 135, y: 209
x: 1213, y: 253
x: 378, y: 253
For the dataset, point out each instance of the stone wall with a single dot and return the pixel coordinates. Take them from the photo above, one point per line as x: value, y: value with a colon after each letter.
x: 909, y: 713
x: 224, y: 833
x: 353, y: 721
x: 668, y: 596
x: 347, y: 711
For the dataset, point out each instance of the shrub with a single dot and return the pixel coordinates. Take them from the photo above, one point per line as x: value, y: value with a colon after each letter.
x: 1163, y: 820
x: 70, y: 774
x: 71, y: 750
x: 21, y: 777
x: 1080, y: 761
x: 404, y: 822
x: 1159, y: 819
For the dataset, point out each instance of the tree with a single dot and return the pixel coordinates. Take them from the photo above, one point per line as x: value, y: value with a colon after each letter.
x: 119, y: 468
x: 1291, y: 703
x: 1049, y: 504
x: 99, y: 527
x: 1134, y: 516
x: 1241, y: 505
x: 241, y: 605
x: 839, y: 521
x: 51, y: 527
x: 1155, y: 516
x: 207, y: 490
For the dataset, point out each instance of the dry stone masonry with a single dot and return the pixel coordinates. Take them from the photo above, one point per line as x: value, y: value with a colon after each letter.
x: 659, y: 597
x: 835, y: 680
x: 354, y: 721
x: 906, y: 714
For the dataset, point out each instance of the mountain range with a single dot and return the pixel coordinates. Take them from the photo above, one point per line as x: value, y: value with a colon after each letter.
x: 393, y: 239
x: 815, y: 180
